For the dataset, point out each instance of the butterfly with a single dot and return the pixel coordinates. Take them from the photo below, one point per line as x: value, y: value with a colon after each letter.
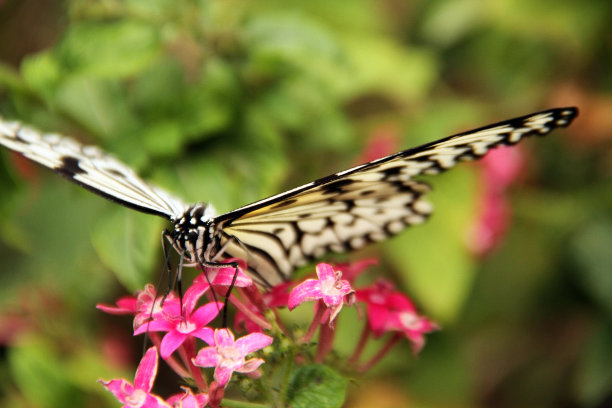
x: 340, y: 212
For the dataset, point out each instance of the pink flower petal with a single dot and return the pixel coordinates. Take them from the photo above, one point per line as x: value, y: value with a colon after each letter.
x: 188, y: 399
x: 377, y: 317
x: 250, y: 365
x: 223, y: 375
x: 334, y: 310
x: 192, y: 295
x: 325, y: 272
x: 399, y: 301
x: 125, y: 305
x: 225, y: 276
x: 205, y: 314
x: 120, y: 388
x: 207, y: 357
x: 171, y: 341
x: 253, y: 342
x: 206, y: 334
x: 154, y: 326
x: 147, y: 370
x: 153, y: 401
x: 224, y: 337
x: 308, y: 290
x: 278, y: 295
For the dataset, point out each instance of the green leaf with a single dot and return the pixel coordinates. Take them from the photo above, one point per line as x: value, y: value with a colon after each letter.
x: 414, y: 71
x: 126, y: 242
x: 594, y: 373
x: 109, y: 50
x: 162, y: 139
x: 316, y: 385
x: 289, y: 37
x: 41, y: 73
x: 160, y: 89
x: 209, y: 104
x: 41, y: 376
x: 448, y: 22
x: 10, y: 78
x: 590, y: 248
x: 96, y: 104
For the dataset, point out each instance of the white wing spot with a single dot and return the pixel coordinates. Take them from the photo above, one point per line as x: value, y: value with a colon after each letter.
x: 395, y: 226
x: 423, y: 207
x: 357, y: 242
x: 415, y: 219
x: 312, y: 225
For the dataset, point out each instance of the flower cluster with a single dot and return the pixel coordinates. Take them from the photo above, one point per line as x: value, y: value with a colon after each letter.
x: 180, y: 329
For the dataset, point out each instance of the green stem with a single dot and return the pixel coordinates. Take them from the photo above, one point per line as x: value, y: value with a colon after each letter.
x: 265, y: 390
x: 290, y: 359
x: 242, y: 404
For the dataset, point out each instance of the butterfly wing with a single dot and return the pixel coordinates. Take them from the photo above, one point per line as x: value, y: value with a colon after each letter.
x: 91, y: 168
x: 364, y: 204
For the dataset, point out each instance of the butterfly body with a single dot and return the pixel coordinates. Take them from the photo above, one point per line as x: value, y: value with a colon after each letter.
x: 340, y: 212
x: 195, y: 234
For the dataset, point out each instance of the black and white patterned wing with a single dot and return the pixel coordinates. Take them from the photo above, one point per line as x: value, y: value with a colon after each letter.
x: 91, y: 168
x: 364, y: 204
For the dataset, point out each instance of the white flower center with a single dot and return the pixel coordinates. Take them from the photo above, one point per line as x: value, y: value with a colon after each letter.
x: 409, y: 320
x: 185, y: 327
x: 230, y: 356
x: 137, y: 398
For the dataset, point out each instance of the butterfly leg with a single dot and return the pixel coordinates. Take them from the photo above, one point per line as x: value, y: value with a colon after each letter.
x: 219, y: 265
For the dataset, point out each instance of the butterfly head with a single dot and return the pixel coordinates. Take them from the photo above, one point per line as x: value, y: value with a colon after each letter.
x: 192, y: 233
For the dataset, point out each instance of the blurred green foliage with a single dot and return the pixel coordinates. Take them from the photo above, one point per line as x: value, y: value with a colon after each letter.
x: 230, y: 101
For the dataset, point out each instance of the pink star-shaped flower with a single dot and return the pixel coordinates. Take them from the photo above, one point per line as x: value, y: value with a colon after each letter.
x: 138, y: 395
x: 329, y: 288
x: 183, y: 323
x: 146, y: 305
x: 391, y: 310
x: 228, y: 355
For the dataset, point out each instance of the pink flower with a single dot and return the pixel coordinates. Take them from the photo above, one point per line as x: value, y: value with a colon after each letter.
x: 228, y: 355
x: 274, y: 298
x: 188, y: 399
x: 391, y: 310
x: 181, y: 323
x: 139, y: 394
x: 383, y: 141
x: 501, y: 167
x: 329, y: 288
x: 146, y: 305
x: 493, y: 222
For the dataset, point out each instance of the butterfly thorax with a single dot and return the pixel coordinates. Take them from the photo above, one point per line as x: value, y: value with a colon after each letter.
x: 194, y: 233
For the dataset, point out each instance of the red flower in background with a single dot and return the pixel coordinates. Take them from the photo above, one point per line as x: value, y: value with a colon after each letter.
x: 391, y: 310
x: 500, y: 168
